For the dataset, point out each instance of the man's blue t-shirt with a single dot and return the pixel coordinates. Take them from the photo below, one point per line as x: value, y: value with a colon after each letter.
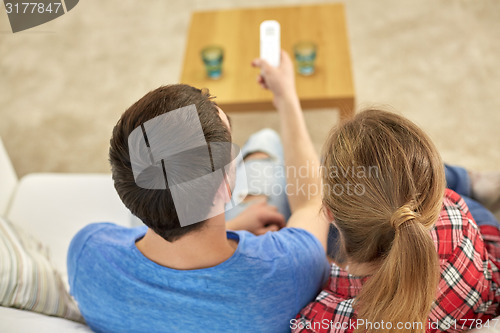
x: 260, y: 288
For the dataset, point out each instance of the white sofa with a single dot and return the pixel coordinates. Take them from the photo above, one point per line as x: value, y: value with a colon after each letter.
x: 53, y: 207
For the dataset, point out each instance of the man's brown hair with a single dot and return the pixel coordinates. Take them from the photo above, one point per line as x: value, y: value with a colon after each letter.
x: 156, y: 207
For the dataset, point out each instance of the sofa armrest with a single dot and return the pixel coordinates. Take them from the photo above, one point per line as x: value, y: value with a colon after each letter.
x: 8, y: 179
x: 54, y: 207
x: 15, y: 320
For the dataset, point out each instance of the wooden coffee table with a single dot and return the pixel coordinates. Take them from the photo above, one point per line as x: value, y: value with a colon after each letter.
x: 237, y: 31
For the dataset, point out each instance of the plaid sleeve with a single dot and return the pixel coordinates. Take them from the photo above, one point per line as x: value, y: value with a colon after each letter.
x: 332, y: 311
x: 491, y: 237
x: 468, y: 291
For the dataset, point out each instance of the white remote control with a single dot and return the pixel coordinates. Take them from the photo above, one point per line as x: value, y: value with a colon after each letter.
x: 270, y: 42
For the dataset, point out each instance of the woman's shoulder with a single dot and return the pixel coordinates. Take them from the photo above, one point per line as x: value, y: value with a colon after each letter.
x: 455, y: 228
x: 330, y: 312
x: 464, y: 262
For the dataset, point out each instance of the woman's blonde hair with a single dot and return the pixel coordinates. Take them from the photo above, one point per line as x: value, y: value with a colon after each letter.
x: 384, y: 184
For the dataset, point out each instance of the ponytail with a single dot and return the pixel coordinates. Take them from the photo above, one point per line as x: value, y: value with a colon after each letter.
x: 404, y: 287
x: 386, y: 224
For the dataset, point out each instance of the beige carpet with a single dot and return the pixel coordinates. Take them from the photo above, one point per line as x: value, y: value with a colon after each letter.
x: 64, y: 84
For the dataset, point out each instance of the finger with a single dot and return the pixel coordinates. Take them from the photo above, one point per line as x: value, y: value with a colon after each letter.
x: 275, y: 218
x: 258, y: 63
x: 262, y: 64
x: 261, y: 81
x: 260, y: 231
x: 284, y: 56
x: 285, y: 59
x: 271, y: 227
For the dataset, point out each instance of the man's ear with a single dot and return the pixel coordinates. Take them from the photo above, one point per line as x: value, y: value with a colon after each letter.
x: 230, y: 195
x: 223, y: 192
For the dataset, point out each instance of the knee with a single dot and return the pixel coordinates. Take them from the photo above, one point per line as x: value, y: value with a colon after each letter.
x: 268, y: 135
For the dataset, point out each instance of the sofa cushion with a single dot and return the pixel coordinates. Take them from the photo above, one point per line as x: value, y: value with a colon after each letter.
x: 54, y: 207
x: 27, y: 279
x: 17, y: 321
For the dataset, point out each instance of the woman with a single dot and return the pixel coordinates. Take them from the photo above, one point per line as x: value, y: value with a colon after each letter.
x: 415, y: 256
x: 410, y: 255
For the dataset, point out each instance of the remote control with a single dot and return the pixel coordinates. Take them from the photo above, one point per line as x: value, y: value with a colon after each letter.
x: 270, y: 42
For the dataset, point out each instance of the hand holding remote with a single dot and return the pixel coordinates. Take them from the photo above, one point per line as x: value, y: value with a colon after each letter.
x: 280, y: 80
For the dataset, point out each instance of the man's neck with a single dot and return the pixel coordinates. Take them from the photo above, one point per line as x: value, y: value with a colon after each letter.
x: 202, y: 248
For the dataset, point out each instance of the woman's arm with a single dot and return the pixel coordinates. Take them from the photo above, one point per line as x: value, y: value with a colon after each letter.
x: 301, y: 161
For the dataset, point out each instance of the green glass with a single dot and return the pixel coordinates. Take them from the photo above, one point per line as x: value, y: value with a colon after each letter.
x: 305, y: 56
x: 212, y: 58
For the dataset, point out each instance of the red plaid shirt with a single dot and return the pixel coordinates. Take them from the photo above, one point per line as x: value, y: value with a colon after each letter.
x: 469, y: 294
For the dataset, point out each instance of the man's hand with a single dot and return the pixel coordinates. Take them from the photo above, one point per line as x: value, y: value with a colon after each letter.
x: 258, y: 218
x: 280, y: 80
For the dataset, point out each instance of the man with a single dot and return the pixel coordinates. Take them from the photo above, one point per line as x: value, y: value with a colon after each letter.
x: 173, y: 276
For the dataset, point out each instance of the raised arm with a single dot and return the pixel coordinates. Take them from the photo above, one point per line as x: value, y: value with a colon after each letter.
x: 301, y: 160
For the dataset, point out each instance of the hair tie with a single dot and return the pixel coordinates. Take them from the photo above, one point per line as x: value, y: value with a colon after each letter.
x: 403, y: 215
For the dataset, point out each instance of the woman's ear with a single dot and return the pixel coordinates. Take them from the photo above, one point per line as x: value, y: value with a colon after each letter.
x: 328, y: 214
